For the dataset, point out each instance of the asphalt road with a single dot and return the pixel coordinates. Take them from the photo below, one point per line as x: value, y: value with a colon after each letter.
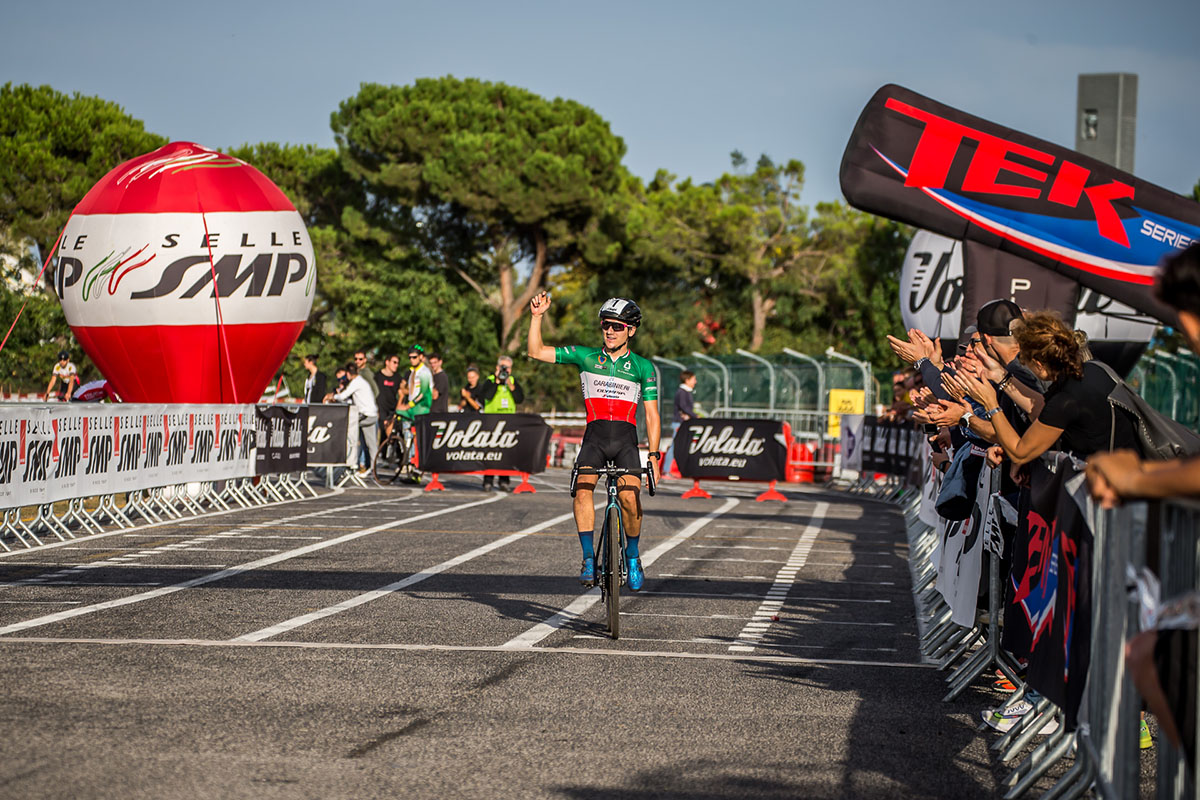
x: 397, y: 643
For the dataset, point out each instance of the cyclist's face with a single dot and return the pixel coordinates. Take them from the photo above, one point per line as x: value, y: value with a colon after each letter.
x: 616, y: 334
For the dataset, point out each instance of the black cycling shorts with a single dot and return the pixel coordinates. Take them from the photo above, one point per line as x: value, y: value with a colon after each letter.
x: 609, y: 440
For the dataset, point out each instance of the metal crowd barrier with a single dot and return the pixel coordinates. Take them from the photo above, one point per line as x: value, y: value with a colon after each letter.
x: 1104, y: 747
x: 31, y: 526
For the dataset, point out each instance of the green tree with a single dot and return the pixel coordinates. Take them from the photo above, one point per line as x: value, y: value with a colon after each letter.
x: 53, y: 149
x: 490, y: 175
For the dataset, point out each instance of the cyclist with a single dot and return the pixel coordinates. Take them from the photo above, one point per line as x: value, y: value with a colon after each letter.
x: 614, y: 379
x: 63, y: 371
x: 420, y: 392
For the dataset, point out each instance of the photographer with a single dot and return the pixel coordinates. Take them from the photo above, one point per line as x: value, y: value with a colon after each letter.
x: 501, y: 394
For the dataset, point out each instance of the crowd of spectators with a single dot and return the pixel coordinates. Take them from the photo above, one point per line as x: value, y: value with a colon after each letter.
x: 391, y: 395
x: 1021, y: 384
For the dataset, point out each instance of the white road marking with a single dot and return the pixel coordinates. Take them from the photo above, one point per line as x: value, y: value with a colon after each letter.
x: 42, y: 602
x: 429, y: 572
x: 231, y: 571
x: 585, y: 601
x: 735, y: 547
x: 736, y: 560
x: 450, y: 648
x: 786, y: 577
x: 726, y: 640
x: 150, y: 525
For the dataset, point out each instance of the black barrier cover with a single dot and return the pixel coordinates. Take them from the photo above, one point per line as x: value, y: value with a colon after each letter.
x: 280, y: 431
x: 327, y: 431
x: 889, y: 447
x: 1054, y: 587
x: 746, y: 449
x: 474, y: 442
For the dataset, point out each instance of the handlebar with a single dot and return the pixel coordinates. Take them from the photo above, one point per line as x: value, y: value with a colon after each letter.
x: 612, y: 471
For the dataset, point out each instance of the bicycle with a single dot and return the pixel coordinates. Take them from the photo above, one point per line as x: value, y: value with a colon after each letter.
x: 611, y: 569
x: 393, y: 460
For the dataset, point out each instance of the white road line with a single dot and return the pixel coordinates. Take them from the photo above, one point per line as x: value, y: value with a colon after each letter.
x: 786, y: 577
x: 70, y: 543
x: 231, y: 571
x: 735, y: 547
x: 451, y: 648
x: 737, y: 560
x: 585, y: 601
x: 42, y: 602
x: 726, y: 640
x: 429, y: 572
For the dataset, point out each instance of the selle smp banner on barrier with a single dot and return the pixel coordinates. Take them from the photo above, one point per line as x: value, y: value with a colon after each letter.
x: 745, y: 449
x: 281, y: 432
x: 476, y: 442
x: 75, y: 450
x: 918, y: 161
x: 329, y: 434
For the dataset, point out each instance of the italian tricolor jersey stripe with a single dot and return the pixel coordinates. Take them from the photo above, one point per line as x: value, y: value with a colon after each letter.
x: 612, y: 387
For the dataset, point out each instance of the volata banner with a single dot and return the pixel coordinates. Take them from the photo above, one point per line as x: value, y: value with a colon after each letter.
x: 745, y: 449
x: 281, y: 433
x: 58, y: 452
x: 476, y: 442
x: 918, y: 161
x: 329, y: 441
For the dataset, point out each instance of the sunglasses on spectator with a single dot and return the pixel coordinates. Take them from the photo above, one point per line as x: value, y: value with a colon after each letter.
x: 608, y: 325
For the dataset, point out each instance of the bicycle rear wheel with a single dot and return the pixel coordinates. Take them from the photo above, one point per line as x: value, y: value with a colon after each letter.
x: 612, y: 571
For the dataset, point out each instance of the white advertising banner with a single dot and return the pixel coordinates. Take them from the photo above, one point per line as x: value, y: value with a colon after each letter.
x: 962, y: 555
x: 852, y: 442
x: 51, y: 453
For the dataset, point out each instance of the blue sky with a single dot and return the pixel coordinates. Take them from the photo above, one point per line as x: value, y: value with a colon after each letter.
x: 682, y: 83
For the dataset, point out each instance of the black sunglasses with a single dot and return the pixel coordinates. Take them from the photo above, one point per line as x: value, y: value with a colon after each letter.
x: 609, y: 325
x: 415, y: 355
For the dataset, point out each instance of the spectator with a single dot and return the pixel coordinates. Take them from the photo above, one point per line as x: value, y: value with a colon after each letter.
x: 63, y: 370
x: 314, y: 384
x: 1162, y: 663
x: 360, y: 360
x: 502, y: 393
x: 1075, y: 416
x: 685, y: 409
x: 473, y: 393
x: 388, y: 383
x: 441, y: 385
x: 358, y: 392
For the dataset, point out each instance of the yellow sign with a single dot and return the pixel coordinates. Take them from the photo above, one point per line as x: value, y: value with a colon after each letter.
x: 844, y: 401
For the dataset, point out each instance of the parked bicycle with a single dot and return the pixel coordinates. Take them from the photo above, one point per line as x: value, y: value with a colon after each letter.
x: 394, y: 459
x: 611, y: 569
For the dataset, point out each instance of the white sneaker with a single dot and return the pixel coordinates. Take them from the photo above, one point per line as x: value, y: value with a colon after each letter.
x: 1003, y: 719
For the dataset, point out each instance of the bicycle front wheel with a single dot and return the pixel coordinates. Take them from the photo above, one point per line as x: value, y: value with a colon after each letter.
x: 388, y: 460
x: 612, y: 573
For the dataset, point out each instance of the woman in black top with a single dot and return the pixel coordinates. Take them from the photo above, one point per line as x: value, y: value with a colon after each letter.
x: 1076, y: 416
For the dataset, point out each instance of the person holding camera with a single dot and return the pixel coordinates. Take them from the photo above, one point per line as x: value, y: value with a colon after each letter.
x: 501, y: 394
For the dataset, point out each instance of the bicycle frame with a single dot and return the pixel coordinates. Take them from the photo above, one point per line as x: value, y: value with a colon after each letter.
x: 611, y: 568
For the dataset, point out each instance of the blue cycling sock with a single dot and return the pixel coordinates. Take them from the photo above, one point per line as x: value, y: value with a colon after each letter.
x: 631, y: 546
x: 585, y: 541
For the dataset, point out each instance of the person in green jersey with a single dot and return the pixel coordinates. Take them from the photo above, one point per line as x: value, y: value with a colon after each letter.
x: 614, y: 380
x: 420, y: 393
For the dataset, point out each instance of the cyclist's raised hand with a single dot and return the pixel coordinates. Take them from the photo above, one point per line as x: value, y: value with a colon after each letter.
x: 540, y: 304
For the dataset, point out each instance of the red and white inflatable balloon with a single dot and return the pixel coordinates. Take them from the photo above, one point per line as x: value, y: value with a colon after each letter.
x: 137, y: 265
